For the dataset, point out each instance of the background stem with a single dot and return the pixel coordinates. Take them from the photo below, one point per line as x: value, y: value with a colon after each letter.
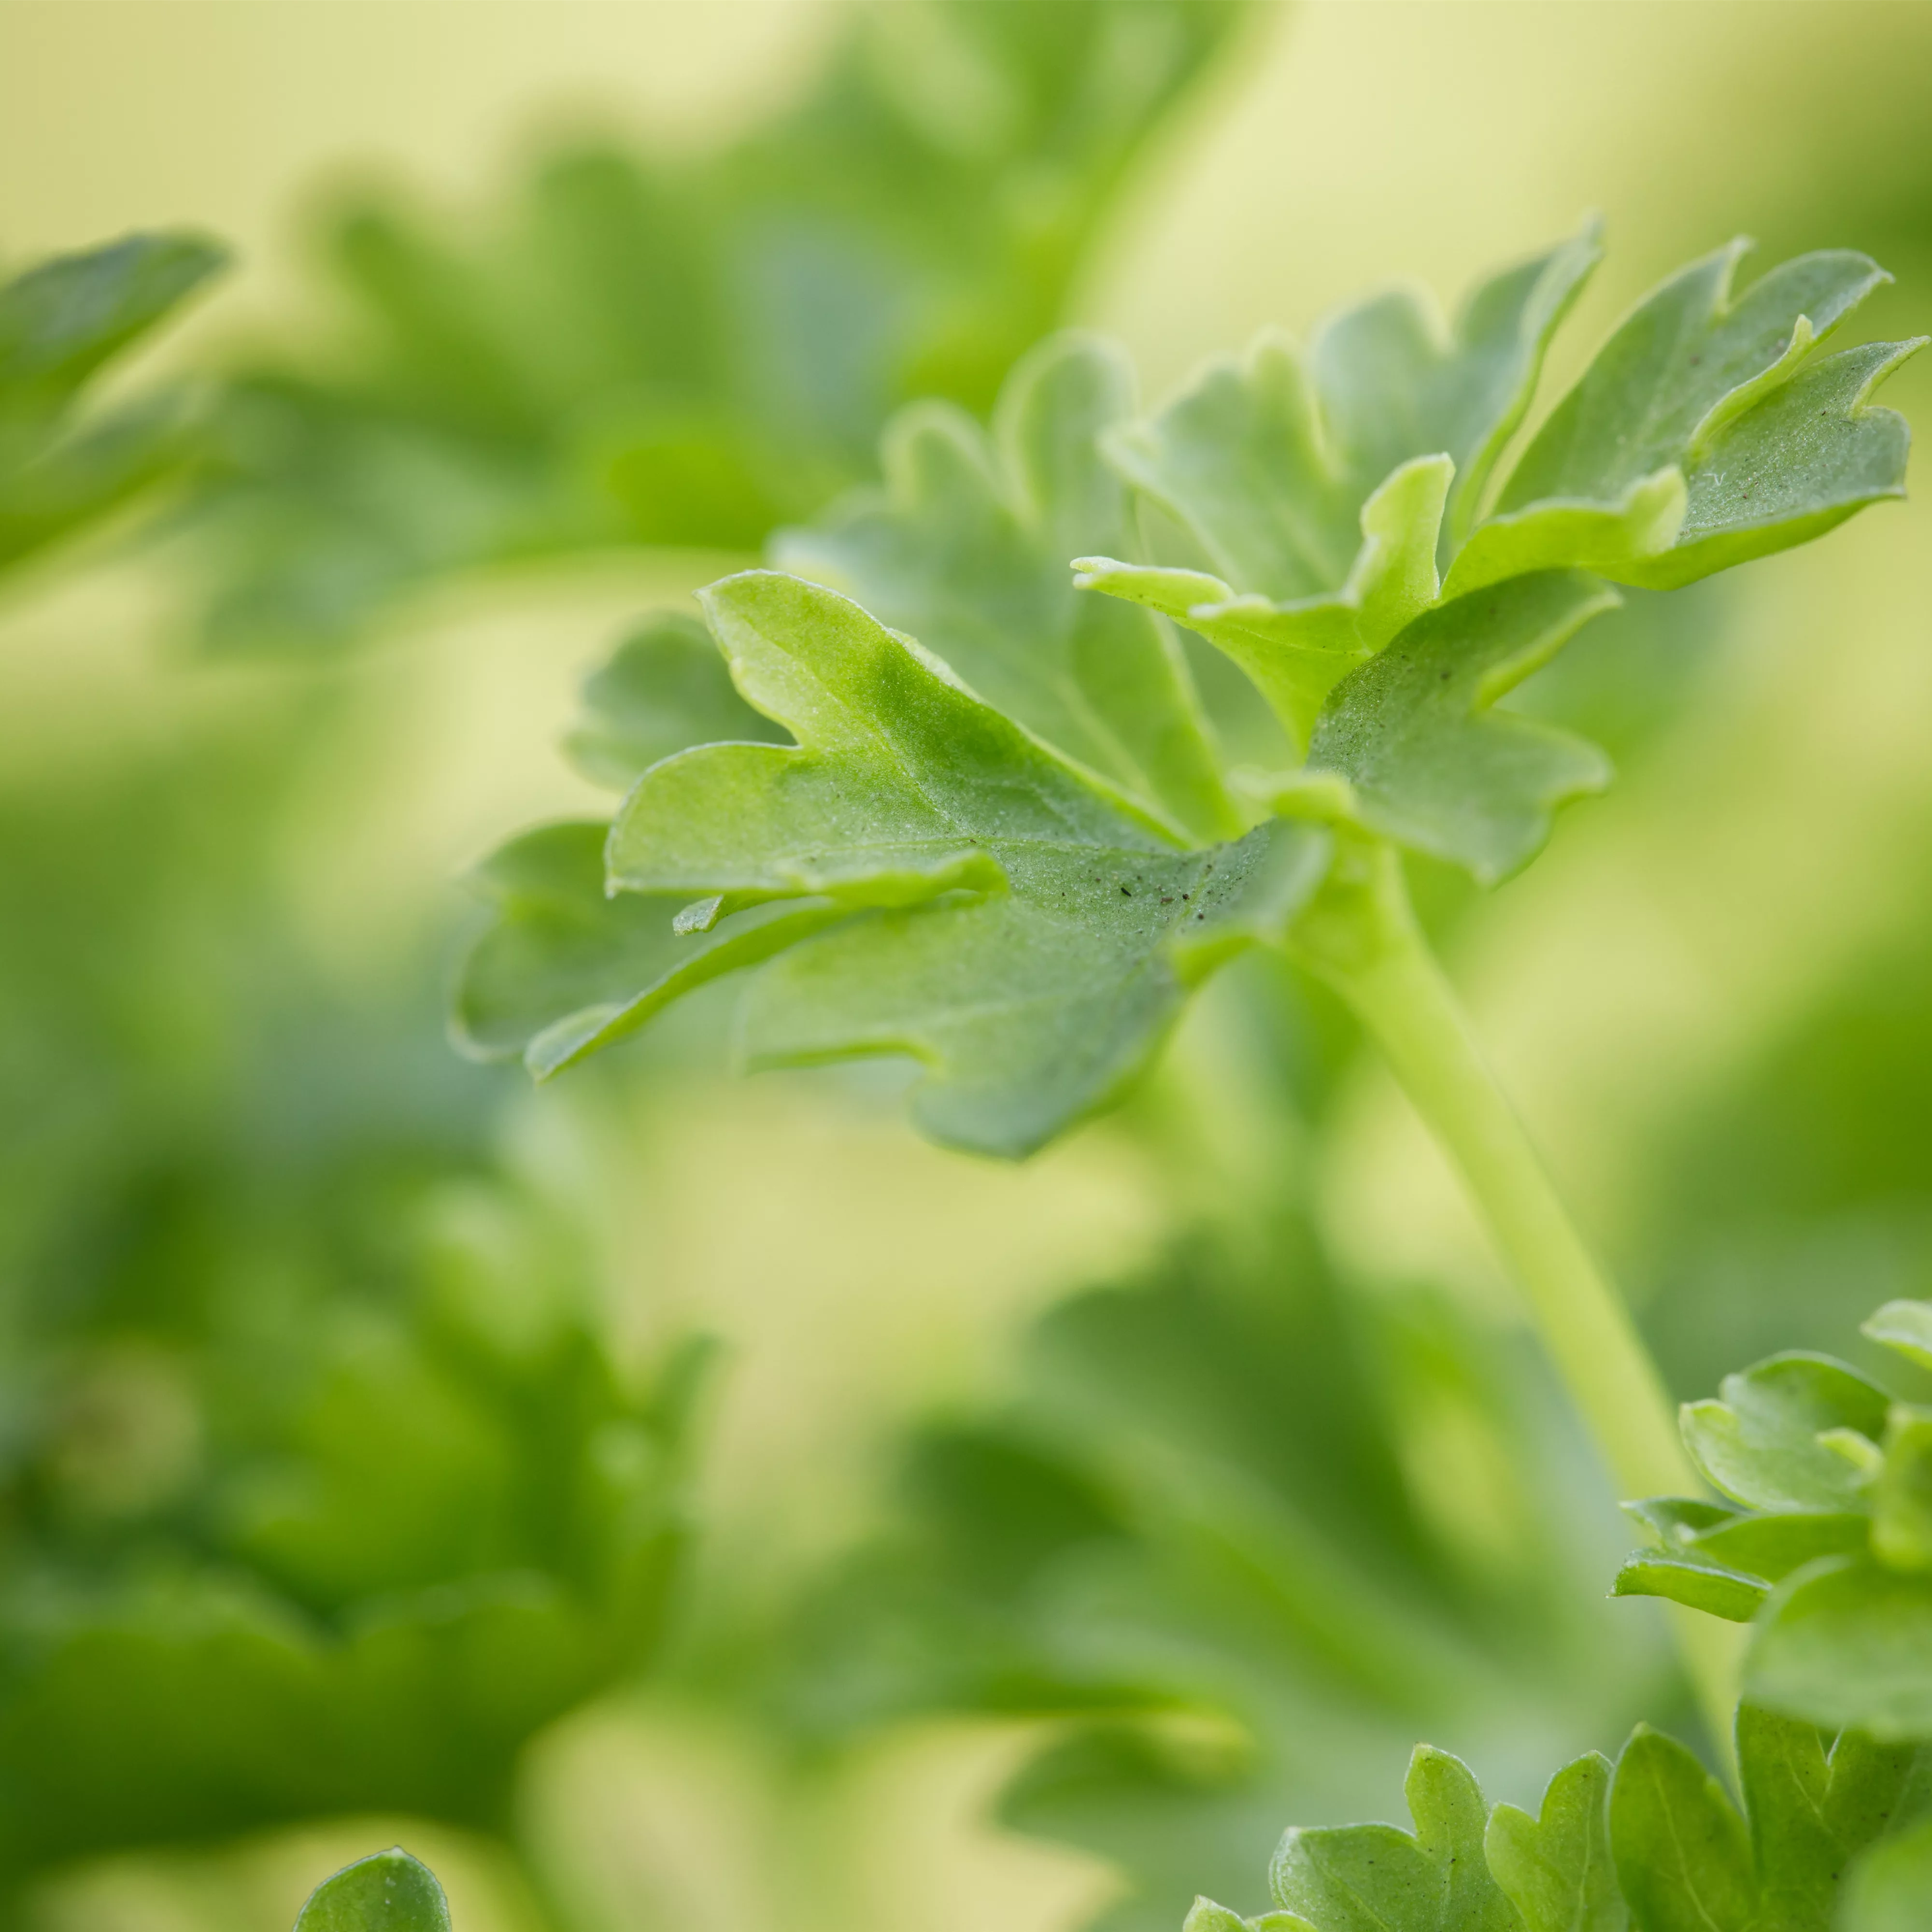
x: 1361, y: 936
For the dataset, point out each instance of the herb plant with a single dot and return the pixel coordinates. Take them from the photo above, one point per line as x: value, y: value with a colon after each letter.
x: 1003, y: 845
x: 684, y: 350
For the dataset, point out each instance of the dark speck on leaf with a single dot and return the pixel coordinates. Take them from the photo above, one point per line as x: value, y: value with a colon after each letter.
x: 1167, y: 902
x: 1130, y: 894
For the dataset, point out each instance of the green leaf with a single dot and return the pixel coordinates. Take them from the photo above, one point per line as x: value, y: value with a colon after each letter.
x: 388, y: 1892
x: 60, y: 321
x: 1906, y: 1326
x: 1318, y: 490
x: 1901, y: 1528
x: 1424, y: 757
x: 1676, y: 1519
x: 966, y: 548
x: 566, y: 969
x: 1683, y: 1858
x: 1032, y: 1001
x: 1556, y: 1868
x: 1815, y: 1802
x: 1772, y: 1545
x: 1847, y: 1641
x: 1890, y: 1889
x: 1761, y: 1443
x: 1700, y: 436
x: 1207, y: 1916
x: 663, y: 689
x: 1375, y: 1878
x: 1712, y: 1588
x: 59, y: 324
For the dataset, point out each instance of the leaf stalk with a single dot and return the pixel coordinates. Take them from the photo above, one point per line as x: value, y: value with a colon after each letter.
x: 1360, y: 935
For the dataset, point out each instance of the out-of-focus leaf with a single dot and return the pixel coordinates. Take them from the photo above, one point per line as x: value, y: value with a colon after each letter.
x: 1906, y: 1326
x: 1847, y: 1641
x: 388, y: 1892
x: 1032, y: 1001
x: 966, y: 548
x: 688, y: 350
x: 1890, y: 1889
x: 1901, y: 1497
x: 663, y: 689
x: 60, y: 323
x: 1556, y: 1868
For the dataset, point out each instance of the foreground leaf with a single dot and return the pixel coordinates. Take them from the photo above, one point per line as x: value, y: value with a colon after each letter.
x: 1424, y: 757
x: 388, y: 1892
x: 966, y: 548
x: 1815, y: 1802
x: 1031, y: 1002
x: 1556, y: 1868
x: 1700, y: 437
x: 1761, y: 1442
x: 568, y: 969
x: 1320, y: 490
x: 1683, y: 1856
x: 1375, y: 1878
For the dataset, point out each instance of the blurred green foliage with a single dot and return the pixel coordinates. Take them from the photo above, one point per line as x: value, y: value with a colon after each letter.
x: 686, y: 351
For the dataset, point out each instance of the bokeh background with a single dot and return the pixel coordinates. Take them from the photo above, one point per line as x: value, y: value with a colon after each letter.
x: 1044, y: 1538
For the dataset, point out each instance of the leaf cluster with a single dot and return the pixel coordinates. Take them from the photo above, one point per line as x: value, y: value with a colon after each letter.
x: 64, y: 467
x: 1823, y: 1540
x: 684, y: 350
x: 1833, y: 1838
x: 1001, y: 840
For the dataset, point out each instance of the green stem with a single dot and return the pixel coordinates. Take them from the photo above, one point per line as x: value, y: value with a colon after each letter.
x: 1361, y: 936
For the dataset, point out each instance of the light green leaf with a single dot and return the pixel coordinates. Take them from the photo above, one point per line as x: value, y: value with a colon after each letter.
x: 567, y: 969
x: 1676, y: 1519
x: 1773, y: 1545
x: 1906, y: 1326
x: 1207, y: 1916
x: 59, y: 322
x: 1036, y: 993
x: 1321, y: 490
x: 1890, y: 1889
x: 1700, y: 436
x: 1556, y: 1868
x: 1815, y: 1802
x: 1683, y: 1858
x: 1901, y: 1528
x: 966, y: 547
x: 1375, y: 1878
x: 1427, y: 762
x: 1760, y: 1442
x: 388, y: 1892
x: 1710, y: 1587
x: 1846, y: 1641
x: 663, y: 689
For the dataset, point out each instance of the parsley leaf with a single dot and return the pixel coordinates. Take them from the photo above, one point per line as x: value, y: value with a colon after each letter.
x: 1031, y: 1001
x: 1701, y: 436
x: 966, y: 548
x: 1375, y: 1878
x: 1321, y: 488
x: 390, y: 1892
